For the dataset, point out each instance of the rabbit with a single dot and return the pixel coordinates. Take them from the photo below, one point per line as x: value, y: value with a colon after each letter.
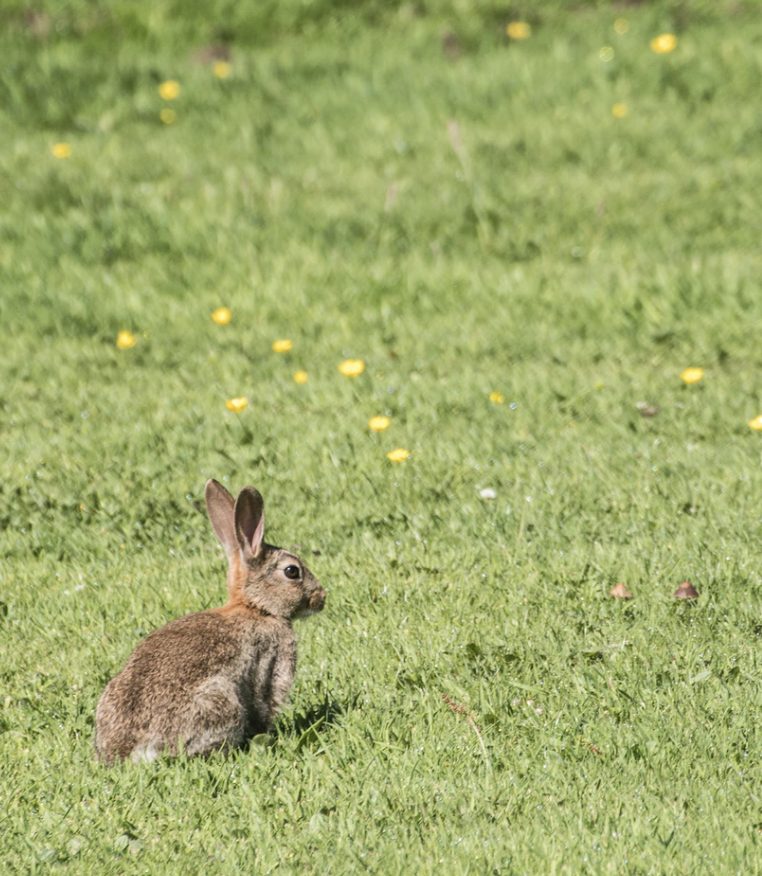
x: 210, y: 681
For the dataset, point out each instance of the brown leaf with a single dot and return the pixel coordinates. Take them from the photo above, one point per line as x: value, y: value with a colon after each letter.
x: 686, y: 591
x: 210, y: 54
x: 647, y: 410
x: 37, y: 23
x: 451, y: 46
x: 620, y: 592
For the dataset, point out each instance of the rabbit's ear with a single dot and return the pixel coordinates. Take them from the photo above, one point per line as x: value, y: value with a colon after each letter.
x: 220, y: 506
x: 250, y: 522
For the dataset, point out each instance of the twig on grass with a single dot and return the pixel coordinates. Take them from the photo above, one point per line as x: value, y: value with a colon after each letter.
x: 461, y: 710
x: 459, y: 148
x: 590, y: 747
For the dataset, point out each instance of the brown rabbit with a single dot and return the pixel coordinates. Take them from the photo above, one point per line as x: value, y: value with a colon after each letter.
x: 210, y: 681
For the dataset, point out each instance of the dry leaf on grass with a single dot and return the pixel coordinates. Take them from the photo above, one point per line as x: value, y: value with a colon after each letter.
x: 620, y: 592
x: 647, y: 410
x: 209, y: 54
x: 686, y: 591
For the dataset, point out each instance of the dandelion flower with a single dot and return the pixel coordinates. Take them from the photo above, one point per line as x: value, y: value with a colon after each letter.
x: 222, y: 316
x: 301, y: 377
x: 378, y: 424
x: 619, y: 110
x: 283, y: 346
x: 168, y: 116
x: 125, y: 340
x: 236, y: 405
x: 621, y: 25
x: 398, y: 455
x: 61, y: 150
x: 497, y: 398
x: 692, y: 375
x: 606, y: 54
x: 518, y: 30
x: 169, y: 90
x: 221, y: 69
x: 352, y: 367
x: 756, y: 423
x: 664, y: 43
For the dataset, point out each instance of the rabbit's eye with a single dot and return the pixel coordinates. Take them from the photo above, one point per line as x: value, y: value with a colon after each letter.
x: 292, y: 572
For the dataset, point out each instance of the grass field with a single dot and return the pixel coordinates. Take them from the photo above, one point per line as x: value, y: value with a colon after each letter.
x: 405, y: 185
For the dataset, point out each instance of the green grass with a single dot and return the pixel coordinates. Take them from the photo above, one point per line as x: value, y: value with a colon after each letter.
x: 574, y: 262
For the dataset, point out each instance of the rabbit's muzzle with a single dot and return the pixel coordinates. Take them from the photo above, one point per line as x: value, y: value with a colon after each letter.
x: 316, y: 601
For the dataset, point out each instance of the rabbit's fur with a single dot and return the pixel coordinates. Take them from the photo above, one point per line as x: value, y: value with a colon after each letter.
x: 210, y: 681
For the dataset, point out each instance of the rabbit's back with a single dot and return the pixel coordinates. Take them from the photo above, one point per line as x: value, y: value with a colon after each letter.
x: 202, y: 679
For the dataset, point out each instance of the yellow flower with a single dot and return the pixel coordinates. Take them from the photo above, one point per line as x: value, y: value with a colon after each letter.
x: 169, y: 90
x: 283, y: 346
x: 621, y: 25
x: 61, y: 150
x: 663, y: 43
x: 756, y: 423
x: 222, y: 316
x: 221, y: 69
x: 518, y: 30
x: 236, y: 405
x: 125, y: 340
x: 606, y: 54
x: 378, y: 424
x: 619, y: 110
x: 692, y: 375
x: 301, y: 377
x: 168, y: 116
x: 352, y: 367
x: 497, y: 398
x: 398, y: 455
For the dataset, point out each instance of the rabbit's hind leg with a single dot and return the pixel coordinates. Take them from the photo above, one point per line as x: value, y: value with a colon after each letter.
x: 216, y: 721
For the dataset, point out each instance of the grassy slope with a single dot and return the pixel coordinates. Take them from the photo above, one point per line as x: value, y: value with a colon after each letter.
x: 578, y: 266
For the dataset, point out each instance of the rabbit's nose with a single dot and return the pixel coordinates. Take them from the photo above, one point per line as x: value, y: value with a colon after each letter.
x: 317, y: 600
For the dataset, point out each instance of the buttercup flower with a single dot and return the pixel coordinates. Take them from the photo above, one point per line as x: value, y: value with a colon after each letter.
x: 61, y: 150
x: 756, y: 423
x: 663, y: 43
x: 378, y: 424
x: 352, y: 367
x: 169, y: 90
x: 619, y: 110
x: 221, y: 69
x: 222, y: 316
x: 398, y: 455
x: 168, y: 116
x: 621, y: 25
x: 606, y: 54
x: 301, y: 377
x: 497, y: 398
x: 692, y: 375
x: 236, y: 405
x: 125, y: 340
x: 518, y: 30
x: 283, y: 346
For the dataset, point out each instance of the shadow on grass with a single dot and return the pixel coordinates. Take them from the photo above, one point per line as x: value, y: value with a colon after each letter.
x: 308, y: 726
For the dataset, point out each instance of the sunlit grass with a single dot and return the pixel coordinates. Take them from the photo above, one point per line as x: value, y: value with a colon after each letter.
x: 521, y: 281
